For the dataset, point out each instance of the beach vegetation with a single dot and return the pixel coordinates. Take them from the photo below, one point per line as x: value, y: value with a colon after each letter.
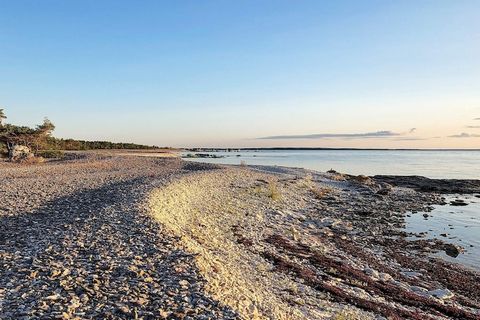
x: 320, y: 193
x: 39, y: 140
x: 273, y: 190
x: 12, y: 136
x: 51, y: 154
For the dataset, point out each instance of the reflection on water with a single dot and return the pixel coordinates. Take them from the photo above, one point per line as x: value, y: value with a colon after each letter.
x: 454, y: 224
x: 432, y: 164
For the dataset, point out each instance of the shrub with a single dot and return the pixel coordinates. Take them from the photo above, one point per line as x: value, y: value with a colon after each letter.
x: 50, y: 154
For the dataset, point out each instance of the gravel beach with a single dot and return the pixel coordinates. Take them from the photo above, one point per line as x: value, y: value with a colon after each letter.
x: 125, y: 237
x: 76, y: 241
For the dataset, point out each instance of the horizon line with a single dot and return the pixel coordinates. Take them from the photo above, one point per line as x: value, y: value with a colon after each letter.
x: 331, y: 148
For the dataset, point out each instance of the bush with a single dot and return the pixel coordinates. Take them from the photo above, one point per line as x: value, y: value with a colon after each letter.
x: 50, y: 154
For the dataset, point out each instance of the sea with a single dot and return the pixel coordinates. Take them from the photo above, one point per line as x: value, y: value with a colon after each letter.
x: 459, y: 225
x: 459, y: 164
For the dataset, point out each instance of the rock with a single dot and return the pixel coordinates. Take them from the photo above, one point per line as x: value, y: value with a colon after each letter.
x: 372, y: 273
x: 452, y: 250
x: 441, y: 294
x: 411, y: 274
x: 20, y: 153
x: 385, y: 188
x: 53, y: 297
x: 458, y: 203
x: 419, y: 290
x: 384, y: 277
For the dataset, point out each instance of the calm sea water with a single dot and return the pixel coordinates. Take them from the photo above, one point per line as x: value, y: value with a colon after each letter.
x: 432, y: 164
x: 460, y: 224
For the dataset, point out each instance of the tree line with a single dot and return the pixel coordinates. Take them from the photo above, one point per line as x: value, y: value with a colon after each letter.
x: 40, y: 138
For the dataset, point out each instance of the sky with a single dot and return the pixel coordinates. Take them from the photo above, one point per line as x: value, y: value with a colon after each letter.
x: 367, y: 74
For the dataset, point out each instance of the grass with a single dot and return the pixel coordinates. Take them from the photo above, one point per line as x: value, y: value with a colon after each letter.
x: 320, y: 193
x: 32, y: 161
x: 273, y: 190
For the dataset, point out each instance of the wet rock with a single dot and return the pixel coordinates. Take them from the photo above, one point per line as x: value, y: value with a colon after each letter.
x: 423, y: 184
x: 442, y: 294
x: 458, y: 203
x: 452, y: 250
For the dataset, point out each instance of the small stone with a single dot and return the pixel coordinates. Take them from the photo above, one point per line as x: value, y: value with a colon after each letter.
x: 441, y: 294
x: 123, y: 308
x: 372, y: 273
x: 452, y: 250
x: 53, y: 297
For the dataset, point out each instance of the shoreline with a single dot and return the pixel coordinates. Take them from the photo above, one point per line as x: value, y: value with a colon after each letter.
x: 325, y: 244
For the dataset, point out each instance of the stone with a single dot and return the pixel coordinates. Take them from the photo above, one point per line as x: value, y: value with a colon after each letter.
x: 441, y: 294
x: 458, y: 203
x: 452, y: 250
x: 20, y: 153
x: 372, y: 273
x: 384, y: 277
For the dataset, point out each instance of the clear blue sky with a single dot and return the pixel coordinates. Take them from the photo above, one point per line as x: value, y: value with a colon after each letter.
x: 223, y: 73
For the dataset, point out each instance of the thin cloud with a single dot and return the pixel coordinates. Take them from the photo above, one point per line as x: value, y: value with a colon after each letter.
x: 377, y: 134
x: 473, y: 127
x: 465, y: 135
x: 410, y: 139
x: 476, y: 119
x: 412, y: 130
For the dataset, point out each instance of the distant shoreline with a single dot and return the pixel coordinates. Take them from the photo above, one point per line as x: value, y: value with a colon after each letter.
x: 314, y: 149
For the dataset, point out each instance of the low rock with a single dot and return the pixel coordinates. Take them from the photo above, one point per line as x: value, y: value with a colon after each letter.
x: 458, y: 203
x: 441, y: 294
x: 452, y: 250
x: 20, y: 153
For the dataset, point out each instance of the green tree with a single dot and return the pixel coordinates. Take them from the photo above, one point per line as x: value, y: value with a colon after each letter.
x: 34, y: 138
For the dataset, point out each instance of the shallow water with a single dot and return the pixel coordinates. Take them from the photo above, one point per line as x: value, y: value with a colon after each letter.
x: 432, y: 164
x: 460, y: 224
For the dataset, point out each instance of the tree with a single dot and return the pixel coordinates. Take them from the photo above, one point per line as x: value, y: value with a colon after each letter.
x: 13, y: 135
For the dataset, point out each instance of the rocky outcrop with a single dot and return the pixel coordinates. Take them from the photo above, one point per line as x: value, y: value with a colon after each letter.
x: 20, y: 153
x: 424, y: 184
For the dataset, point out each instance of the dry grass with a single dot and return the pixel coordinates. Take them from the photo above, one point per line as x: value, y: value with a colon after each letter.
x: 320, y: 193
x: 273, y: 190
x: 32, y: 161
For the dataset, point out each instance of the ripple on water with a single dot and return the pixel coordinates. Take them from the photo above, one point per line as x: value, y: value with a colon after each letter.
x: 455, y: 224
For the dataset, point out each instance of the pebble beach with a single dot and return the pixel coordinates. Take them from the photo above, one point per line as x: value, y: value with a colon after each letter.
x: 127, y: 237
